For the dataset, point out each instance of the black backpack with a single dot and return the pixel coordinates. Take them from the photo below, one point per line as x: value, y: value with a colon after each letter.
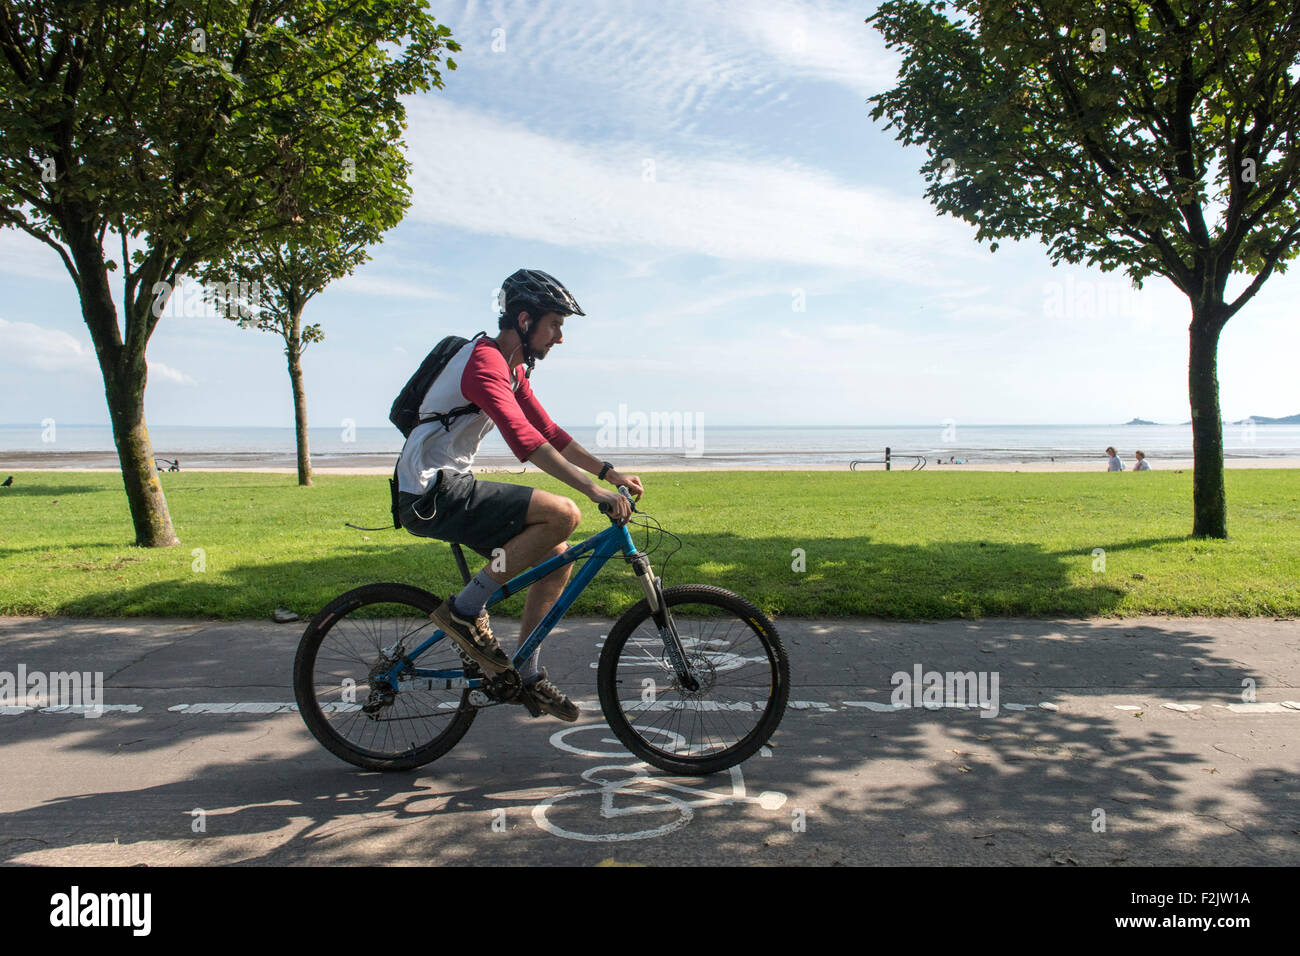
x: 405, y: 413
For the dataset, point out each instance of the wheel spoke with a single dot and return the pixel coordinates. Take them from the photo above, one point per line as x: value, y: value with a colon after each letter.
x: 738, y: 669
x: 418, y: 723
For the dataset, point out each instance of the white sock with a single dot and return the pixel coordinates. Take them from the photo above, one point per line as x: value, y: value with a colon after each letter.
x: 530, y: 668
x: 471, y: 601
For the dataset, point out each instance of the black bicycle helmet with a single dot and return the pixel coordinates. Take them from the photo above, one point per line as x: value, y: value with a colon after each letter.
x: 541, y: 291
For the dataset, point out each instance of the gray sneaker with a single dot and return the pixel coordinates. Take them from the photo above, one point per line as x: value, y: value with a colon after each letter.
x: 474, y: 638
x: 542, y: 695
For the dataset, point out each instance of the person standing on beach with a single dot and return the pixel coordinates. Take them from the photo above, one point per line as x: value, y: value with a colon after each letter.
x: 1114, y: 464
x: 1141, y: 462
x: 439, y: 497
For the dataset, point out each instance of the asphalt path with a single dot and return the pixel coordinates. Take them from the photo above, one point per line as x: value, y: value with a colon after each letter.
x: 1115, y: 742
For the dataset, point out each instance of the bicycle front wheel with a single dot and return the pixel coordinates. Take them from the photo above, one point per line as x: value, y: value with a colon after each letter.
x: 744, y: 682
x: 370, y: 725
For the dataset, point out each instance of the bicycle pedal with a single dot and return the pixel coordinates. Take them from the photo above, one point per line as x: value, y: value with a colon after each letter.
x: 530, y: 703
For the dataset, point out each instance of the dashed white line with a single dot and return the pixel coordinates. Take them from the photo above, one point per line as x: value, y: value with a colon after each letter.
x: 816, y: 706
x: 873, y: 705
x: 86, y: 710
x: 244, y: 707
x: 1284, y: 707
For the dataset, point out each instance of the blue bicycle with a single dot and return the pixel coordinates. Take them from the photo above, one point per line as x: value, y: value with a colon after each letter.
x: 692, y: 679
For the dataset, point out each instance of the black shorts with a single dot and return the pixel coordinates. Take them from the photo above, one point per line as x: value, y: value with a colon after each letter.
x: 457, y: 507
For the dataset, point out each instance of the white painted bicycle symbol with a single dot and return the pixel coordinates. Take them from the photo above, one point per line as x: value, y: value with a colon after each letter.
x: 648, y: 653
x: 628, y: 791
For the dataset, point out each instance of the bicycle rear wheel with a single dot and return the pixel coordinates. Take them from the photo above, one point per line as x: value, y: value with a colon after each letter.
x: 744, y: 682
x: 357, y: 635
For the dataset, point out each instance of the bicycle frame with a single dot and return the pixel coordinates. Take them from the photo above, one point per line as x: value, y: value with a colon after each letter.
x: 611, y: 542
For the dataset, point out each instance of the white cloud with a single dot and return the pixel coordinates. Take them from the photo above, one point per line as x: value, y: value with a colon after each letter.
x: 385, y: 286
x: 47, y: 350
x: 28, y: 345
x: 26, y: 256
x: 828, y: 41
x: 157, y: 370
x: 489, y: 176
x: 670, y: 62
x: 717, y: 302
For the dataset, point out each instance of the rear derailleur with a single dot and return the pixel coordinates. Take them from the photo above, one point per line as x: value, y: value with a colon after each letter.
x: 382, y: 693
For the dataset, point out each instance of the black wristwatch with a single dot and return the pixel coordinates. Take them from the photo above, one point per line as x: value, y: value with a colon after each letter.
x: 601, y: 476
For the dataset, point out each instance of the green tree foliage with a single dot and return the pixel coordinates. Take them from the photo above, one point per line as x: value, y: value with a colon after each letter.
x: 189, y: 129
x: 266, y: 285
x: 1158, y: 138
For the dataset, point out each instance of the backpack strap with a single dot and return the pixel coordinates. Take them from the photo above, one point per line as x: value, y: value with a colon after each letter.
x: 446, y: 418
x: 392, y: 487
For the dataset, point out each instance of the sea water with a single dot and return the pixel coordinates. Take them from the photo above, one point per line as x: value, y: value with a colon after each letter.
x: 709, y: 445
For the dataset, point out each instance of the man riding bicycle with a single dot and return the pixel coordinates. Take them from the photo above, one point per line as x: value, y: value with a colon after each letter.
x: 439, y: 497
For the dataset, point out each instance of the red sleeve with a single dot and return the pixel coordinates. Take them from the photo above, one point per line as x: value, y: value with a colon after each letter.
x: 552, y: 432
x: 486, y: 383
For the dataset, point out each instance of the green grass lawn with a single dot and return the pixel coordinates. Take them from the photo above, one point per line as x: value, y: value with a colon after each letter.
x: 902, y: 545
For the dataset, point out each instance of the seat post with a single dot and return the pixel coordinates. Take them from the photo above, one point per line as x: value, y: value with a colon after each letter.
x: 460, y: 561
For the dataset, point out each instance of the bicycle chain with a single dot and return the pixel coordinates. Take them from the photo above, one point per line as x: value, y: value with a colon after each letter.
x: 502, y: 689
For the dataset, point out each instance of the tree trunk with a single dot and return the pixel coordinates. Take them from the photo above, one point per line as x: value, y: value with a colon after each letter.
x: 124, y: 370
x: 144, y: 494
x: 299, y: 406
x: 1209, y: 501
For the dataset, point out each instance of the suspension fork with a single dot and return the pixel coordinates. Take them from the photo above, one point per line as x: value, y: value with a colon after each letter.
x: 653, y: 589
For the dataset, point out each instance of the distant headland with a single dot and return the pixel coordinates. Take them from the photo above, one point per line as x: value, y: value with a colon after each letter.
x: 1257, y: 419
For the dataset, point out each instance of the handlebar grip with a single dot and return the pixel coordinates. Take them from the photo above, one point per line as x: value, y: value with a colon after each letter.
x: 622, y: 490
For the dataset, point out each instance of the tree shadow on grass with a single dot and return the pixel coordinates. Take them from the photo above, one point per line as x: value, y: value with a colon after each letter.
x: 826, y: 577
x: 22, y: 489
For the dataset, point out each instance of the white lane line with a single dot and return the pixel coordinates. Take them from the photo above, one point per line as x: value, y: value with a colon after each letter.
x: 817, y: 706
x: 88, y: 709
x: 874, y: 705
x: 245, y: 707
x: 1285, y: 707
x: 10, y: 711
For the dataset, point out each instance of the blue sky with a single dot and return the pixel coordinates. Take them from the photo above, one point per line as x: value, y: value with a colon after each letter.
x: 747, y: 243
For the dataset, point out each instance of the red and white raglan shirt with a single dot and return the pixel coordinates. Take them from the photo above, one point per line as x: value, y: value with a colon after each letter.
x: 477, y: 373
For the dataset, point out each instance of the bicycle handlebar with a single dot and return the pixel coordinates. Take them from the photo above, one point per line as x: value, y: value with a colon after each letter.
x: 622, y: 490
